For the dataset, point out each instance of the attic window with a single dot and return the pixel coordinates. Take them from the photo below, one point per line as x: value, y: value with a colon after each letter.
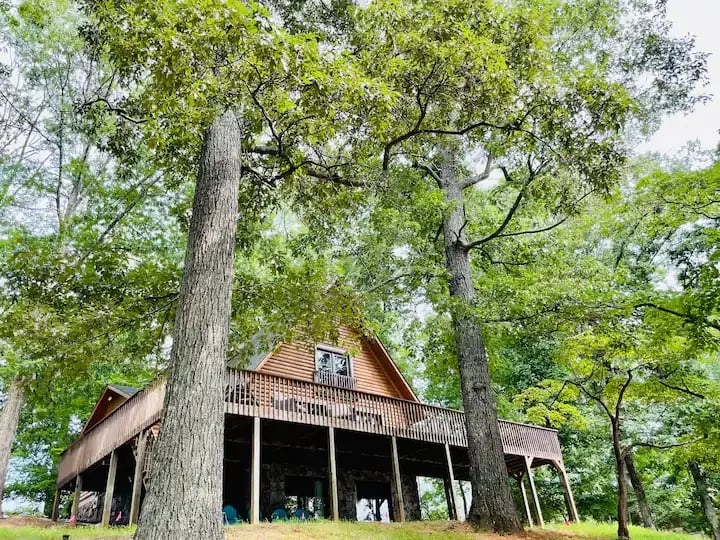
x: 331, y: 360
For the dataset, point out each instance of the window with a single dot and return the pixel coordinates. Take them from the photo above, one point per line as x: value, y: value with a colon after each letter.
x: 334, y: 361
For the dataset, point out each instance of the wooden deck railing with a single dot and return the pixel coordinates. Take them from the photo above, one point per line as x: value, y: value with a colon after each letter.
x: 250, y: 393
x: 137, y: 413
x: 333, y: 379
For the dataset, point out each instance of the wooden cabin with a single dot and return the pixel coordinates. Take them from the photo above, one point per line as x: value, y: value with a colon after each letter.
x: 332, y: 429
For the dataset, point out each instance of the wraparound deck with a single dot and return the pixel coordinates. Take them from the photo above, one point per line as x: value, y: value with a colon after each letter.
x: 249, y: 393
x: 424, y: 438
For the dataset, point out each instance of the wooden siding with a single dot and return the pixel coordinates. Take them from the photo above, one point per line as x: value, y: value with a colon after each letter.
x: 297, y: 360
x: 108, y: 402
x: 251, y: 393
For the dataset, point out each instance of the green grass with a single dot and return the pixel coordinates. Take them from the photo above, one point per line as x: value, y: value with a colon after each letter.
x: 592, y: 529
x: 56, y: 533
x: 325, y: 530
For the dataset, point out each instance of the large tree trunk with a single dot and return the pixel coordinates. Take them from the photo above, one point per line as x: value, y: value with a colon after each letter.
x: 492, y: 507
x: 622, y: 510
x: 9, y: 419
x: 639, y: 490
x: 185, y: 493
x: 707, y: 504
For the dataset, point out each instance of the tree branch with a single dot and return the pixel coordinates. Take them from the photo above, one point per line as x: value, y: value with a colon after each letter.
x: 499, y: 234
x: 508, y: 218
x: 680, y: 389
x: 110, y: 107
x: 685, y: 316
x: 645, y: 444
x: 595, y: 398
x: 621, y: 394
x: 430, y: 172
x: 480, y: 177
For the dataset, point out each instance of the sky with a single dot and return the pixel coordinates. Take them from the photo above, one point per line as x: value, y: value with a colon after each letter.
x: 700, y: 19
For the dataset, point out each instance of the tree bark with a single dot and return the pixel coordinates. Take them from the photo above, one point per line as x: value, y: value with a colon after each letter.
x: 492, y: 507
x: 9, y: 419
x: 622, y: 510
x: 707, y: 504
x: 639, y: 490
x: 185, y: 493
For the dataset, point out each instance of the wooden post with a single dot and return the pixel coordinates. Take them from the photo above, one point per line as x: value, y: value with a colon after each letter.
x: 56, y: 502
x: 398, y: 481
x: 255, y: 473
x: 570, y: 500
x: 76, y: 496
x: 538, y: 510
x: 332, y: 476
x: 138, y: 478
x: 450, y: 489
x: 109, y: 490
x: 521, y: 484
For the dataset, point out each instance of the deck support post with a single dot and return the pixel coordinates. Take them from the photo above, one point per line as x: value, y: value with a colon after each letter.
x: 332, y: 476
x: 450, y: 485
x: 538, y: 510
x: 400, y: 514
x: 569, y: 499
x: 523, y: 492
x: 56, y: 502
x: 109, y: 490
x: 255, y: 473
x: 76, y: 496
x: 138, y: 478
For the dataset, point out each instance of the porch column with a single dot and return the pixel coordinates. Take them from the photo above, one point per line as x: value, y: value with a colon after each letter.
x: 398, y: 481
x: 56, y: 502
x: 528, y: 470
x: 570, y: 500
x: 521, y: 485
x: 138, y: 478
x: 450, y: 485
x: 76, y: 496
x: 332, y: 476
x: 255, y: 473
x: 109, y: 490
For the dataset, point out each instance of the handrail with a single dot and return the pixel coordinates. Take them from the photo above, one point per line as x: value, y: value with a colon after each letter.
x: 139, y: 412
x: 252, y: 393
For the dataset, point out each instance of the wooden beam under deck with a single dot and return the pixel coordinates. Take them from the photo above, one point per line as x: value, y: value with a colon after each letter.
x: 333, y: 478
x: 255, y: 473
x: 109, y: 490
x: 397, y: 480
x: 138, y: 478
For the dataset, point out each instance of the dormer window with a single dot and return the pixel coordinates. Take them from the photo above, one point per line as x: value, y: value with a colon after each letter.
x: 331, y: 360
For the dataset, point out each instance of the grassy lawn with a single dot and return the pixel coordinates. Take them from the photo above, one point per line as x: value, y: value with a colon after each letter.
x: 56, y: 533
x: 440, y: 530
x: 590, y: 529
